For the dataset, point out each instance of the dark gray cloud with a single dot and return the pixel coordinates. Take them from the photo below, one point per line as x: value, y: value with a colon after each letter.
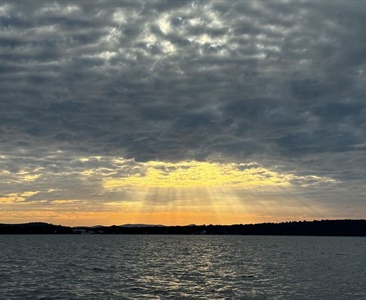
x: 281, y: 83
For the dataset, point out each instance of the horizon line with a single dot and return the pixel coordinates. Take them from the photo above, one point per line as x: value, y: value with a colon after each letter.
x: 135, y: 225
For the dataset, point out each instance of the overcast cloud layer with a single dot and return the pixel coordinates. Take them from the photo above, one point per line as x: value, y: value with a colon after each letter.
x: 275, y: 82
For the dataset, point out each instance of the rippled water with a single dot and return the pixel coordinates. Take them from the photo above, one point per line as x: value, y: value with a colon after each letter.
x: 181, y: 267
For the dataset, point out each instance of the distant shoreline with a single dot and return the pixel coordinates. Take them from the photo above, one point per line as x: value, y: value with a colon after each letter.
x: 298, y: 228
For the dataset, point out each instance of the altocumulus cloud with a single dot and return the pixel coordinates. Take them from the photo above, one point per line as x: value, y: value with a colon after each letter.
x: 109, y: 86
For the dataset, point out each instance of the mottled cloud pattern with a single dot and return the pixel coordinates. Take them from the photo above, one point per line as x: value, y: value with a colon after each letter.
x: 91, y: 90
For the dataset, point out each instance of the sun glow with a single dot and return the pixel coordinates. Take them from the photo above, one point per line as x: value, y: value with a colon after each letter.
x: 200, y: 174
x: 179, y: 192
x: 119, y: 191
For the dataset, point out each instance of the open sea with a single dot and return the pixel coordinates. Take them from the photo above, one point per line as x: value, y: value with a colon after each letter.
x: 181, y: 267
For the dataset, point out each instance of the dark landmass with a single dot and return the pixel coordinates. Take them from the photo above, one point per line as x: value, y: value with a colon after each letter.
x: 140, y: 225
x: 34, y: 228
x: 313, y: 228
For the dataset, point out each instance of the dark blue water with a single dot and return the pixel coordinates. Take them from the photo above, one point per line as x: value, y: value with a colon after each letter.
x: 181, y: 267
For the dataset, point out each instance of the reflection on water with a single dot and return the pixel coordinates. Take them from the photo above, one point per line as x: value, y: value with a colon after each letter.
x: 182, y: 267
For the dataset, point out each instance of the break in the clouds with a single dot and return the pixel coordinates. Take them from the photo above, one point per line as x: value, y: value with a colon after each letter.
x: 91, y: 91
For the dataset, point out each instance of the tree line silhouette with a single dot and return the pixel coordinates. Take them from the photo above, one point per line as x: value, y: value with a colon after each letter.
x: 312, y: 228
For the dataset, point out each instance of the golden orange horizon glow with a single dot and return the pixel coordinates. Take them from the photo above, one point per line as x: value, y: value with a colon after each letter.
x: 188, y: 192
x: 85, y: 218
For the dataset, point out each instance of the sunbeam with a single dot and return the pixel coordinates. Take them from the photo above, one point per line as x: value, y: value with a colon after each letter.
x: 210, y: 193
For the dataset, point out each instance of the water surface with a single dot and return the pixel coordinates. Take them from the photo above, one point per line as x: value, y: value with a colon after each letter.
x: 181, y: 267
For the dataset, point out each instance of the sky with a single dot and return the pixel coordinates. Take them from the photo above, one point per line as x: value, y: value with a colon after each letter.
x: 182, y: 112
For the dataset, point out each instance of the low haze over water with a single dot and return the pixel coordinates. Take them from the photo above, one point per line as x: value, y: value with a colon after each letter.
x: 182, y: 267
